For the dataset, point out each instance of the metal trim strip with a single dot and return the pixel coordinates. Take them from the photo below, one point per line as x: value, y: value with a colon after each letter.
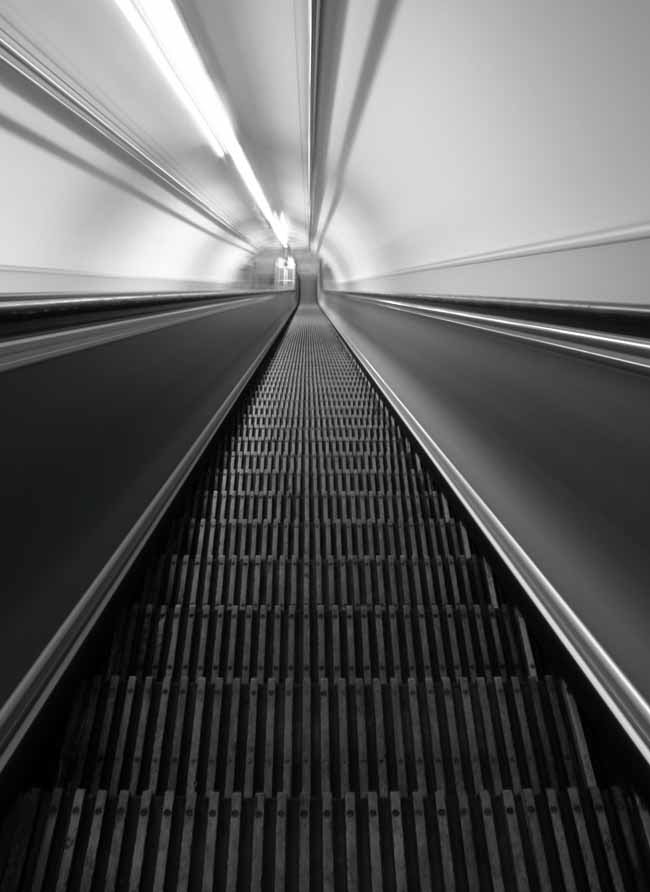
x: 615, y: 689
x: 18, y: 352
x: 21, y: 709
x: 615, y: 349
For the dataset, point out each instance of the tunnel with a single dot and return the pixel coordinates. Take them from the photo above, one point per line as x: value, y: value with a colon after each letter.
x: 324, y: 437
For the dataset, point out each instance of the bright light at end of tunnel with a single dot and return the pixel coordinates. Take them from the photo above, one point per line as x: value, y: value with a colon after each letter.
x: 161, y: 30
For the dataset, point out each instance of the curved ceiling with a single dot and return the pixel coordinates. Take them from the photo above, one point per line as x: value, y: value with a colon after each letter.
x: 397, y: 135
x: 459, y: 128
x: 258, y: 57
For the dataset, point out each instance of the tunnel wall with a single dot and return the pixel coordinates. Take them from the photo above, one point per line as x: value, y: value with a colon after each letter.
x: 90, y: 438
x: 554, y: 444
x: 496, y: 151
x: 81, y: 216
x: 615, y: 272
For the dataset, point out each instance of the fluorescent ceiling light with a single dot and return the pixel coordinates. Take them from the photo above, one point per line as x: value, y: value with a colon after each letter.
x: 163, y: 33
x: 282, y: 230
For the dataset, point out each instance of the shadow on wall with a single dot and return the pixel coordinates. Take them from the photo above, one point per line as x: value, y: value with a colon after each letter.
x: 381, y: 28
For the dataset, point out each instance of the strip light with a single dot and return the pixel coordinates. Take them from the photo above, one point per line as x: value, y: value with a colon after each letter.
x: 161, y: 30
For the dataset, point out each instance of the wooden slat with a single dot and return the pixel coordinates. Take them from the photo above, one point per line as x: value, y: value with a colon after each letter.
x: 516, y: 847
x: 606, y: 841
x: 234, y: 831
x: 374, y: 834
x: 561, y: 844
x: 470, y: 863
x: 231, y: 745
x: 187, y: 838
x: 120, y: 746
x: 210, y: 843
x: 159, y: 735
x: 215, y: 735
x: 304, y: 842
x: 139, y: 847
x: 539, y: 854
x: 399, y: 850
x: 257, y: 850
x: 164, y: 834
x: 280, y: 852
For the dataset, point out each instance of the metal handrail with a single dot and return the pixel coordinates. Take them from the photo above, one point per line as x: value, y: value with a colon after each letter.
x: 612, y: 332
x: 488, y: 301
x: 35, y: 303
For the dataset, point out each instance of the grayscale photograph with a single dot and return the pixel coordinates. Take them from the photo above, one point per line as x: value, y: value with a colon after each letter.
x: 324, y: 446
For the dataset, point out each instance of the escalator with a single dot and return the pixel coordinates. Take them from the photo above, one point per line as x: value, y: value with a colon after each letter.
x: 318, y: 684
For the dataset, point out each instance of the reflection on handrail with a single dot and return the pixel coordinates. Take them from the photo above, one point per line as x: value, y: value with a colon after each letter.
x: 620, y: 695
x: 41, y: 345
x: 619, y: 349
x: 522, y: 304
x: 36, y: 303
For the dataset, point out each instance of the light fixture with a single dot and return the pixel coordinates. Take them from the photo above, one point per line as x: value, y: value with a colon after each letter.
x: 163, y: 34
x: 282, y: 230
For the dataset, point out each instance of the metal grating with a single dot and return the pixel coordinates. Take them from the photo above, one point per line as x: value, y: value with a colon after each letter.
x: 319, y: 685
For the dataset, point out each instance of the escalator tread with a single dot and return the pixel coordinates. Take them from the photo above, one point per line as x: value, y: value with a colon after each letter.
x: 581, y: 839
x: 318, y: 684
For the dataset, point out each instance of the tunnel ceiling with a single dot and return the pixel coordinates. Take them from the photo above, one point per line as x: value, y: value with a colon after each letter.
x: 395, y: 134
